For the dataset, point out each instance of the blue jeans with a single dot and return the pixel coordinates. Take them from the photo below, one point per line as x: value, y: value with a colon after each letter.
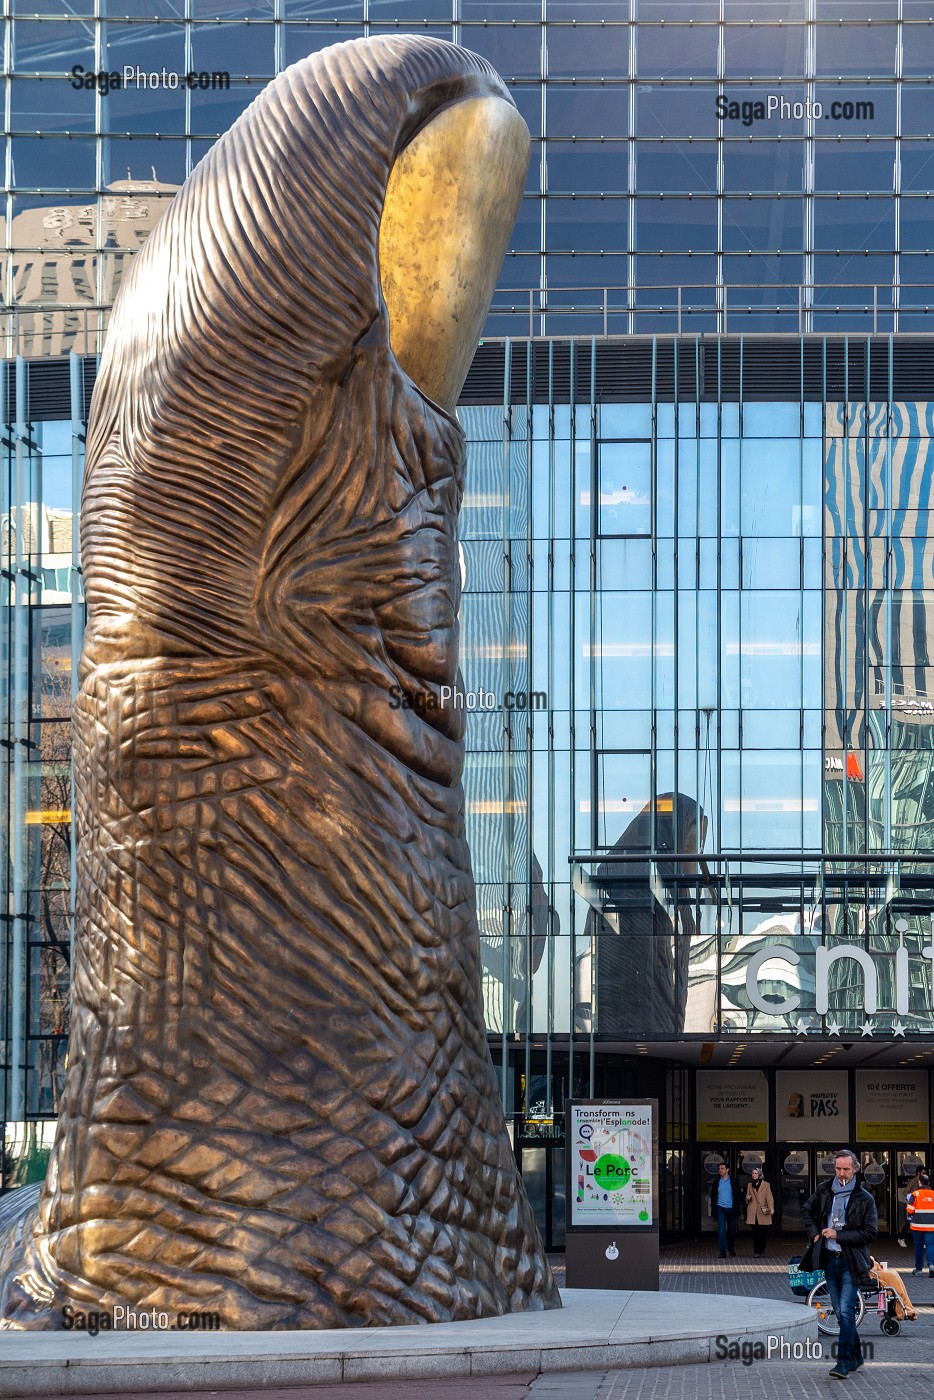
x: 843, y: 1291
x: 923, y: 1240
x: 726, y: 1229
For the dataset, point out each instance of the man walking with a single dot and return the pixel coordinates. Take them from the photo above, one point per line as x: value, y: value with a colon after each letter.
x: 725, y: 1201
x: 920, y: 1207
x: 842, y: 1222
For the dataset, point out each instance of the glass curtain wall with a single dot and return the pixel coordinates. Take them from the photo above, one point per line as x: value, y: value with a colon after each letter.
x: 729, y: 615
x: 42, y: 622
x: 712, y: 166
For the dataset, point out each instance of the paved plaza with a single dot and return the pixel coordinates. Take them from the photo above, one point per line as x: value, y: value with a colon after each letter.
x: 901, y: 1366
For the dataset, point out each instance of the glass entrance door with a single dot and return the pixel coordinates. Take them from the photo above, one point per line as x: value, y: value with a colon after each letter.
x: 823, y: 1165
x: 710, y: 1170
x: 542, y: 1167
x: 795, y: 1184
x: 800, y: 1171
x: 876, y: 1169
x: 908, y: 1161
x: 745, y: 1159
x: 740, y: 1161
x: 673, y: 1191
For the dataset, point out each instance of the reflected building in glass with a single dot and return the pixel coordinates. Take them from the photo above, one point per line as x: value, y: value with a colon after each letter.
x: 696, y: 541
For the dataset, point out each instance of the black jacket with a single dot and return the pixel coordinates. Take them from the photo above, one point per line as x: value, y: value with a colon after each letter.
x: 737, y: 1201
x: 862, y: 1227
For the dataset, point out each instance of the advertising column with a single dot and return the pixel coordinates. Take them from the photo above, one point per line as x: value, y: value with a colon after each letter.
x: 612, y: 1230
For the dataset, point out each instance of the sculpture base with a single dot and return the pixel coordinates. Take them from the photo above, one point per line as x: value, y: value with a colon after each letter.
x: 592, y: 1331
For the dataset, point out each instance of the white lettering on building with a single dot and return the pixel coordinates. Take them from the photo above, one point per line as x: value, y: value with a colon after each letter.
x: 824, y: 960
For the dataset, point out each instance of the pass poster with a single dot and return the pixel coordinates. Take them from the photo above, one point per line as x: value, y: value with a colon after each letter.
x: 612, y: 1164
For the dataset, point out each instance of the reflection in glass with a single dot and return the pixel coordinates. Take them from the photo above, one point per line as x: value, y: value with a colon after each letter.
x: 638, y: 931
x: 52, y: 45
x: 148, y: 47
x: 625, y: 506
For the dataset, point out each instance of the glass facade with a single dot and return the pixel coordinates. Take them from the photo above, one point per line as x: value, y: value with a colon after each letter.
x: 702, y: 167
x: 724, y: 602
x: 717, y: 830
x: 43, y: 618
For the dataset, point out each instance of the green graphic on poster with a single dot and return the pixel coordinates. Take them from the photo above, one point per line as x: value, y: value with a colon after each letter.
x: 611, y: 1173
x: 612, y: 1166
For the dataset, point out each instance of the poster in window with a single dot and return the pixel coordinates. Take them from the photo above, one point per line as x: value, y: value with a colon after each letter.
x: 812, y: 1106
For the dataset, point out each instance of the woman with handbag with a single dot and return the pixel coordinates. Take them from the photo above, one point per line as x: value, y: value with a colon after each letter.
x: 759, y: 1209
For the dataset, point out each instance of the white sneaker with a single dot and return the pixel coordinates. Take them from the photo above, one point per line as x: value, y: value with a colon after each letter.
x: 903, y: 1244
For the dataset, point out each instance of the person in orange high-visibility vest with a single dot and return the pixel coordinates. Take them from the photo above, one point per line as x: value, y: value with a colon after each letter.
x: 920, y: 1206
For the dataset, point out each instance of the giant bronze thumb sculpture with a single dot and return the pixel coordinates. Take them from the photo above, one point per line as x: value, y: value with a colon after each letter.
x: 279, y: 1101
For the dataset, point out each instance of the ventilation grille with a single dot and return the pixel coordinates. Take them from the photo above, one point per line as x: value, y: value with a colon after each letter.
x: 835, y: 367
x: 912, y: 369
x: 760, y: 369
x: 48, y: 389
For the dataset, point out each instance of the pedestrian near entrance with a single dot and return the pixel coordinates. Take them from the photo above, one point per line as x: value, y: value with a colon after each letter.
x: 842, y: 1222
x: 724, y: 1199
x: 759, y: 1208
x: 904, y: 1234
x: 920, y: 1206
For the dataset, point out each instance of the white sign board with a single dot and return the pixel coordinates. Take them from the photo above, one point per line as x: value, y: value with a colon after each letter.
x: 612, y: 1167
x: 811, y: 1106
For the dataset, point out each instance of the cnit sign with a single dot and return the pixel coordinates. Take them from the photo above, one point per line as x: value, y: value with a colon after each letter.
x: 824, y: 961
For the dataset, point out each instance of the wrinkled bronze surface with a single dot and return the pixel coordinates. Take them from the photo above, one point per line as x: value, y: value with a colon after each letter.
x: 279, y: 1100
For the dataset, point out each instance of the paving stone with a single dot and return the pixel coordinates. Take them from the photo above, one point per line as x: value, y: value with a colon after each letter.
x: 901, y: 1365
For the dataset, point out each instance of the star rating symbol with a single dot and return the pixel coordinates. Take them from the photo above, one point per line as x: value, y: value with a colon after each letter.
x: 898, y: 1028
x: 867, y: 1027
x: 833, y: 1028
x: 803, y: 1025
